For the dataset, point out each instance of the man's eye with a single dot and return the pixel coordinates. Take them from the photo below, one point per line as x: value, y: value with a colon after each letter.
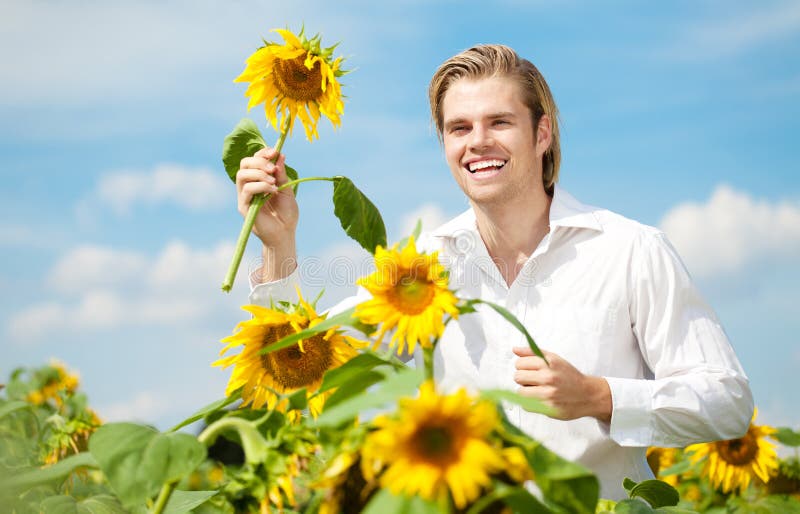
x: 500, y: 122
x: 458, y: 129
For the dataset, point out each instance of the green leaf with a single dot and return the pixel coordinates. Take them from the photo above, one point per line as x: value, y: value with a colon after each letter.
x: 354, y: 387
x: 676, y: 469
x: 787, y: 437
x: 656, y: 493
x: 515, y: 322
x: 57, y: 471
x: 298, y: 400
x: 351, y: 369
x: 565, y: 485
x: 344, y: 318
x: 12, y: 406
x: 208, y: 410
x: 243, y: 141
x: 628, y: 484
x: 404, y: 383
x: 358, y: 216
x: 633, y: 507
x: 516, y: 497
x: 766, y: 505
x: 100, y: 504
x: 137, y: 460
x: 292, y: 174
x: 184, y: 501
x: 384, y: 502
x: 529, y: 404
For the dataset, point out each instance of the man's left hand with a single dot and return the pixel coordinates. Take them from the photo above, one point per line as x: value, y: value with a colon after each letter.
x: 561, y: 386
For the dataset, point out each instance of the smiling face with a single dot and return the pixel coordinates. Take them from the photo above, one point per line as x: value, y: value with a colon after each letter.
x: 490, y: 143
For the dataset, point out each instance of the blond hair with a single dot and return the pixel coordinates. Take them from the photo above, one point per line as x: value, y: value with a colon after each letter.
x: 483, y: 61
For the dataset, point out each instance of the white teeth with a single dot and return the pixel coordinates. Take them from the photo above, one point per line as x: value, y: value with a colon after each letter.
x: 479, y: 165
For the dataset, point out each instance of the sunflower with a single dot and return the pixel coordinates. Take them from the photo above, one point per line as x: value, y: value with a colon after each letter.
x: 437, y: 443
x: 56, y: 381
x: 660, y: 459
x: 731, y: 464
x: 297, y: 79
x: 348, y: 490
x: 409, y: 293
x: 264, y: 376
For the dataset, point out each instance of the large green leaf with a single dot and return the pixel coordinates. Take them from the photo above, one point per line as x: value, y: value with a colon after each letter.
x: 357, y: 385
x: 138, y: 460
x: 208, y: 410
x: 243, y: 141
x: 787, y: 437
x: 57, y: 471
x: 404, y: 383
x: 358, y: 216
x: 654, y: 492
x: 352, y: 368
x: 181, y: 502
x: 7, y: 408
x: 516, y: 497
x: 100, y: 504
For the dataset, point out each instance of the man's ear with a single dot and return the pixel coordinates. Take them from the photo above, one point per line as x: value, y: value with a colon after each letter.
x: 544, y: 134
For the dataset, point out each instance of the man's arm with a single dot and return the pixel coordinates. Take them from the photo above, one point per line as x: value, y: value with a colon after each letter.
x: 700, y: 391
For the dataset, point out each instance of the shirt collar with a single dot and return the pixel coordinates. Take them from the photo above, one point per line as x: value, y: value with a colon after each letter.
x: 565, y: 211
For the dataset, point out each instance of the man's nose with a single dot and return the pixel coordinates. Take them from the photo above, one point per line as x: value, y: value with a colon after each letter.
x: 480, y: 138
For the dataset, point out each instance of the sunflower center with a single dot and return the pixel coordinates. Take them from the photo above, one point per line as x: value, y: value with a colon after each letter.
x: 297, y: 82
x: 292, y: 368
x: 412, y: 294
x: 738, y: 452
x: 434, y: 443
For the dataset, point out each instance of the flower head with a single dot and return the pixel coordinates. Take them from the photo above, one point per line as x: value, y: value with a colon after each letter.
x: 296, y: 79
x: 264, y: 376
x: 659, y: 459
x: 437, y: 443
x: 54, y: 383
x: 409, y: 294
x: 731, y: 464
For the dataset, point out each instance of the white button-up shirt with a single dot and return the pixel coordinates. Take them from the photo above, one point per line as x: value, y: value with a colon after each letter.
x: 612, y: 297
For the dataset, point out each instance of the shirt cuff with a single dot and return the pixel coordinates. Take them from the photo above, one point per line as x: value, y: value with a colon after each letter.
x: 268, y: 293
x: 631, y: 411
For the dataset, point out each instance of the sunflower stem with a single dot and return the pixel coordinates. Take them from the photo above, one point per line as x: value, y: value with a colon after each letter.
x: 163, y: 497
x: 247, y: 226
x: 427, y: 358
x: 254, y: 445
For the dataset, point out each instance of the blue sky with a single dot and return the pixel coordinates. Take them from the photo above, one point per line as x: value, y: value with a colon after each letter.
x: 117, y: 220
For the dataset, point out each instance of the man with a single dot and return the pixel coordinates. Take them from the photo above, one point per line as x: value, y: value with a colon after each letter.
x: 636, y: 357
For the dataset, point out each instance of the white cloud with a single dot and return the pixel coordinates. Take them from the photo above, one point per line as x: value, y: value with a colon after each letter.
x: 191, y: 188
x: 734, y: 34
x: 90, y: 266
x: 106, y: 288
x: 431, y: 215
x: 145, y: 406
x: 731, y: 230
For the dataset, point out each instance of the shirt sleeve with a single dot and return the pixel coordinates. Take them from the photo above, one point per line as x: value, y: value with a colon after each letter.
x: 699, y: 391
x: 269, y: 293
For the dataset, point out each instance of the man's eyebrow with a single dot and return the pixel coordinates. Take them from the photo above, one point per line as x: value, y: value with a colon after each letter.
x: 504, y: 114
x: 453, y: 121
x: 493, y: 116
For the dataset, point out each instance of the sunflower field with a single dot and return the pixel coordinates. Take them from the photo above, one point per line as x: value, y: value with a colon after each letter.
x: 321, y: 413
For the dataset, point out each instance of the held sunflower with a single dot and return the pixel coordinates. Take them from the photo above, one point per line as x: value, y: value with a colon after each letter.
x: 437, y: 444
x: 264, y: 376
x: 296, y: 79
x: 410, y: 294
x: 730, y: 465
